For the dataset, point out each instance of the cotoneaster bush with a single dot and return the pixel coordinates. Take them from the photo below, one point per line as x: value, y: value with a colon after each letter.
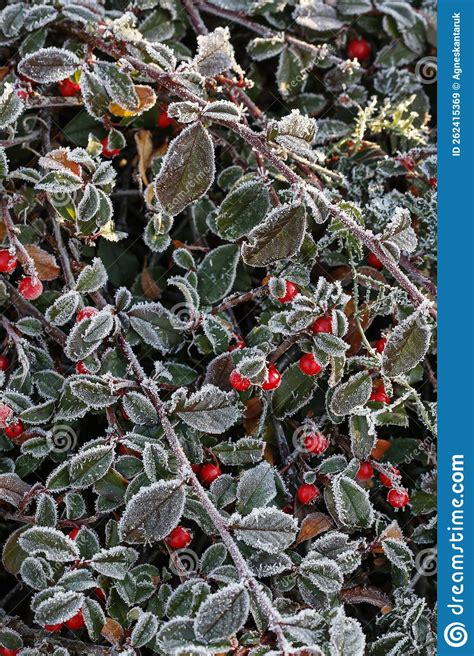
x: 217, y: 227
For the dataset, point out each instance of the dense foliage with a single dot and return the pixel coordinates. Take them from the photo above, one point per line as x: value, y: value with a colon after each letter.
x: 217, y: 376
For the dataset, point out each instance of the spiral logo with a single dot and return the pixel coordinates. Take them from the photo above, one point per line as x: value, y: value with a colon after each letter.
x: 426, y: 562
x: 184, y: 561
x: 426, y: 70
x: 64, y: 438
x: 298, y: 439
x: 29, y: 122
x: 186, y: 315
x: 455, y: 634
x: 59, y: 199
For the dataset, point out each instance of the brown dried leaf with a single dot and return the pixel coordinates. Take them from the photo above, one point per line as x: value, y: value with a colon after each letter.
x: 145, y: 151
x: 366, y: 595
x: 146, y: 100
x: 12, y: 489
x: 58, y: 159
x: 112, y: 632
x: 45, y: 263
x: 151, y: 290
x: 313, y: 525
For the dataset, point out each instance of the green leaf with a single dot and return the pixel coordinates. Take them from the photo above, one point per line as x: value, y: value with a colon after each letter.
x: 268, y: 529
x: 278, y: 237
x: 295, y: 391
x: 362, y: 437
x: 209, y: 410
x: 94, y: 618
x: 90, y: 465
x: 256, y: 488
x: 216, y: 273
x: 243, y: 209
x: 406, y: 346
x: 144, y: 630
x: 351, y: 394
x: 92, y: 278
x: 152, y: 322
x: 10, y: 105
x: 119, y: 85
x: 59, y: 607
x: 352, y: 503
x: 246, y: 451
x: 114, y: 562
x: 222, y: 614
x: 153, y: 512
x: 49, y: 541
x: 140, y: 409
x: 49, y: 65
x: 323, y: 572
x: 187, y: 170
x: 93, y: 391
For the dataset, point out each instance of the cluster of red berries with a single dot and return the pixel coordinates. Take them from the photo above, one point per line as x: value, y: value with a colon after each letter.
x: 242, y: 383
x: 207, y: 472
x: 359, y: 49
x: 30, y: 288
x: 396, y: 497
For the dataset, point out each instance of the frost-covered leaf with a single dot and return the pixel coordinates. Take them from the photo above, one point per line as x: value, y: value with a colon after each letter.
x: 144, y: 630
x: 216, y: 273
x: 362, y: 436
x: 210, y: 409
x: 323, y: 572
x: 114, y: 562
x: 352, y: 503
x: 140, y: 409
x: 87, y: 467
x: 215, y: 53
x: 153, y: 512
x: 92, y: 278
x: 264, y: 48
x: 93, y: 391
x: 222, y: 614
x: 63, y: 308
x: 242, y: 209
x: 187, y: 170
x: 268, y: 529
x: 398, y: 553
x: 11, y: 107
x: 154, y: 325
x: 406, y: 345
x: 12, y: 489
x: 245, y: 451
x: 295, y: 390
x: 278, y: 237
x: 256, y: 488
x: 49, y: 65
x: 89, y: 203
x: 58, y: 607
x: 351, y: 394
x: 119, y: 85
x: 346, y: 636
x: 94, y: 617
x: 49, y: 541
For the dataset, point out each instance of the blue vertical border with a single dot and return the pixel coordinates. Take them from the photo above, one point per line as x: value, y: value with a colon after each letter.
x: 456, y: 329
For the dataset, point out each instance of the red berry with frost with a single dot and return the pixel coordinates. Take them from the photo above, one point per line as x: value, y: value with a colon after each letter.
x: 309, y: 365
x: 291, y: 290
x: 68, y: 87
x: 398, y: 498
x: 86, y: 313
x: 8, y: 261
x: 15, y: 429
x: 106, y: 152
x: 374, y: 261
x: 380, y: 344
x: 239, y: 382
x: 6, y: 414
x: 273, y: 379
x: 307, y: 493
x: 179, y: 538
x: 30, y: 288
x: 322, y: 325
x: 386, y: 480
x: 74, y: 533
x: 358, y: 49
x: 379, y: 396
x: 209, y: 473
x: 4, y: 651
x: 315, y: 443
x: 53, y: 628
x: 164, y: 121
x: 365, y: 471
x: 76, y: 622
x: 4, y: 363
x: 81, y: 368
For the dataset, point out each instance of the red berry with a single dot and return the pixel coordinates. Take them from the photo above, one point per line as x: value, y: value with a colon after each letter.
x: 68, y: 87
x: 308, y: 365
x: 14, y: 430
x: 4, y: 651
x: 358, y: 49
x: 386, y: 480
x: 239, y: 382
x: 30, y: 288
x: 273, y: 379
x: 374, y: 261
x: 74, y: 533
x: 8, y: 262
x: 307, y: 493
x: 365, y: 471
x: 315, y: 443
x: 5, y: 414
x: 105, y: 150
x: 4, y: 363
x: 86, y: 313
x: 379, y: 396
x: 179, y: 538
x: 22, y: 94
x: 164, y: 121
x: 53, y: 628
x: 380, y: 344
x: 209, y: 473
x: 99, y: 593
x: 76, y: 622
x: 197, y: 469
x: 433, y: 182
x: 81, y: 368
x: 291, y: 290
x: 239, y: 343
x: 407, y: 163
x: 398, y: 498
x: 322, y: 325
